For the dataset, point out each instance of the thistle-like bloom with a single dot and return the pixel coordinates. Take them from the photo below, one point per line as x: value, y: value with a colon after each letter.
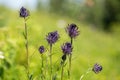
x: 67, y: 48
x: 41, y: 49
x: 97, y: 68
x: 24, y: 12
x: 52, y: 37
x: 72, y: 30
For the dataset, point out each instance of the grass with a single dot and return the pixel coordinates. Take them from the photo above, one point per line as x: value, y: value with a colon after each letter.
x: 90, y: 47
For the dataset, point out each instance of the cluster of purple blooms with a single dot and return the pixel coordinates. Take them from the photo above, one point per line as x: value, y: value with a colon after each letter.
x: 52, y: 37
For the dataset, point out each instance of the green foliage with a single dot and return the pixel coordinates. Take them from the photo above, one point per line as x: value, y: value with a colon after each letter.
x: 1, y: 72
x: 100, y: 13
x: 54, y: 5
x: 91, y: 46
x: 112, y: 13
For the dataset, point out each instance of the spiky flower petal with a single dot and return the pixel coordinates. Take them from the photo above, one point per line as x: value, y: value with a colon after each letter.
x: 52, y: 37
x: 72, y: 30
x: 24, y: 12
x: 97, y: 68
x: 67, y: 48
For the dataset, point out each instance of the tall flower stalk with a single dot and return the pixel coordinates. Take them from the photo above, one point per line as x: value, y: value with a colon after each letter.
x: 51, y: 38
x: 62, y: 66
x: 42, y: 50
x: 73, y: 32
x: 26, y: 45
x: 24, y: 13
x: 67, y: 50
x: 50, y: 55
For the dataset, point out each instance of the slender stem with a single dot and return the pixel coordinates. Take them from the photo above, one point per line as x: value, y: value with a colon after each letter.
x: 69, y: 72
x: 26, y: 45
x: 70, y: 57
x: 62, y: 71
x: 88, y: 71
x: 71, y: 40
x: 42, y: 66
x: 50, y: 61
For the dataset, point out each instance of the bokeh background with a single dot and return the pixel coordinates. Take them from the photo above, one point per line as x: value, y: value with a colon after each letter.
x: 98, y: 42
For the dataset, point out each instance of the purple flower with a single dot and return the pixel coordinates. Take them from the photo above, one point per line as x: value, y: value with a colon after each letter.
x: 52, y: 37
x: 97, y: 68
x: 66, y: 48
x: 24, y: 12
x: 72, y: 30
x: 41, y: 49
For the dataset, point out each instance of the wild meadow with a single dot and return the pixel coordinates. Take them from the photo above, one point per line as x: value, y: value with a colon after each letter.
x: 90, y: 47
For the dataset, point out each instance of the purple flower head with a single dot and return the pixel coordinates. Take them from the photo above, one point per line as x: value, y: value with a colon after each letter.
x: 52, y: 37
x: 41, y: 49
x: 66, y: 48
x: 97, y: 68
x: 24, y: 12
x: 72, y: 30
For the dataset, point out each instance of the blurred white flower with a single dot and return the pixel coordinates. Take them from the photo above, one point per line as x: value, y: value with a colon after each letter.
x: 61, y: 23
x: 1, y: 55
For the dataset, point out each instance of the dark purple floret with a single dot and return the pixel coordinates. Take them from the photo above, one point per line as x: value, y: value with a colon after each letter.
x: 97, y: 68
x: 52, y: 37
x: 41, y: 49
x: 24, y: 12
x: 64, y: 57
x: 72, y: 30
x: 67, y: 48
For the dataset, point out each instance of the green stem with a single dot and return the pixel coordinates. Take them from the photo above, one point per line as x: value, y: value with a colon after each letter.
x: 88, y: 71
x: 50, y: 61
x: 42, y: 66
x: 70, y: 57
x: 26, y: 45
x: 62, y: 71
x: 69, y: 72
x: 71, y: 40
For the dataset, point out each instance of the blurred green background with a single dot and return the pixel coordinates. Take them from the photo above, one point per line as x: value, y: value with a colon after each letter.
x: 98, y: 42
